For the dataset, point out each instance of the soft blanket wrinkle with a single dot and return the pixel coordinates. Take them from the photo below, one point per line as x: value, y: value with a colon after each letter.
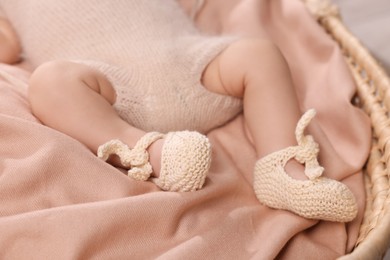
x: 58, y: 200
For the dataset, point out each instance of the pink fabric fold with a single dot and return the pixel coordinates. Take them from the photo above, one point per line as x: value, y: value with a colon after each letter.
x: 59, y: 201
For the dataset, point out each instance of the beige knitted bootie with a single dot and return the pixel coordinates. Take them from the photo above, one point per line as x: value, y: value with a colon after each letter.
x: 185, y: 159
x: 316, y: 198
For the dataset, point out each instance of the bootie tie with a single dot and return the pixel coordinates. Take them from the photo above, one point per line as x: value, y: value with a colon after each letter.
x: 185, y: 159
x: 315, y: 198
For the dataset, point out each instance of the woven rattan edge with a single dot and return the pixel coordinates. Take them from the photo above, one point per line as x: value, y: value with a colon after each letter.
x: 373, y: 94
x: 372, y: 88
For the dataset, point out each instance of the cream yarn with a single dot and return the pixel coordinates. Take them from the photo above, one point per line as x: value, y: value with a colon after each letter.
x: 185, y: 159
x: 136, y: 159
x: 316, y: 198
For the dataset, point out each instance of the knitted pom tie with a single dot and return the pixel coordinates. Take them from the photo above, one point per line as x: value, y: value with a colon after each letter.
x: 185, y: 159
x: 316, y: 198
x: 136, y: 159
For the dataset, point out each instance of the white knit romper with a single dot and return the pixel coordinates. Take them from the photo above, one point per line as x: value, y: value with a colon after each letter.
x: 148, y: 49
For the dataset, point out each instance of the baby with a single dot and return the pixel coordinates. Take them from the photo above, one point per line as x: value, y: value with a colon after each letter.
x: 137, y: 80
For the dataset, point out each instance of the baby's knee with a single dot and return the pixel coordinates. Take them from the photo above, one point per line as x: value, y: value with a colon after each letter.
x: 55, y: 79
x: 252, y: 56
x: 48, y: 77
x: 249, y: 49
x: 244, y: 59
x: 48, y: 83
x: 60, y: 76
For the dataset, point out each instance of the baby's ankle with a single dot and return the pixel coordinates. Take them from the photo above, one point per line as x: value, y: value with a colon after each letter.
x: 295, y: 170
x: 155, y: 156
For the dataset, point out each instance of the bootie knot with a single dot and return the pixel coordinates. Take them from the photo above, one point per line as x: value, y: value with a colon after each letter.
x: 307, y: 152
x: 185, y: 159
x: 136, y: 159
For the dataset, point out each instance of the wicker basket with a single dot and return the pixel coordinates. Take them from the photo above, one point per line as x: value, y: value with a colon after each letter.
x: 373, y: 96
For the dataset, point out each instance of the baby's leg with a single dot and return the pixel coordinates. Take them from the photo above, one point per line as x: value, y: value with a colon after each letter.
x: 257, y: 72
x: 77, y: 100
x: 10, y: 48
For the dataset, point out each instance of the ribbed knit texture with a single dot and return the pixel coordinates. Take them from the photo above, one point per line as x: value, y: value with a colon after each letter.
x: 150, y: 51
x: 316, y: 198
x: 185, y: 159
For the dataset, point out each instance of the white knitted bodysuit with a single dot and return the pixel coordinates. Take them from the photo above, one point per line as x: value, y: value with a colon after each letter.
x: 149, y: 49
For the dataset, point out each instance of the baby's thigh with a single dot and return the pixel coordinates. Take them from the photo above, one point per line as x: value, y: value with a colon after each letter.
x: 224, y: 74
x: 244, y: 61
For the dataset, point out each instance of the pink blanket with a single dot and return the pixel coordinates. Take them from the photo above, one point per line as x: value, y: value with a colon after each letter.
x: 58, y: 201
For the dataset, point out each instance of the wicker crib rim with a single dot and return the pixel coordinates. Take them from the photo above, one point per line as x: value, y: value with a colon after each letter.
x: 373, y: 93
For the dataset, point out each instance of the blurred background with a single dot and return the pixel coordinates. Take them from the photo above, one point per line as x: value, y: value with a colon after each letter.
x: 369, y: 21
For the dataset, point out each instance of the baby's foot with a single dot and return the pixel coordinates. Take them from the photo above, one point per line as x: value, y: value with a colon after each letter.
x: 154, y: 151
x: 314, y: 198
x: 135, y: 159
x: 177, y: 161
x: 295, y: 170
x: 185, y: 161
x: 155, y: 156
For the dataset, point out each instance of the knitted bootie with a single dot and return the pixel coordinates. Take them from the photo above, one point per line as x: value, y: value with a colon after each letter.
x: 316, y: 198
x: 185, y: 159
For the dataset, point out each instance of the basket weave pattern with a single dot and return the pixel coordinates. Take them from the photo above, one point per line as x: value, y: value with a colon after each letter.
x: 373, y: 96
